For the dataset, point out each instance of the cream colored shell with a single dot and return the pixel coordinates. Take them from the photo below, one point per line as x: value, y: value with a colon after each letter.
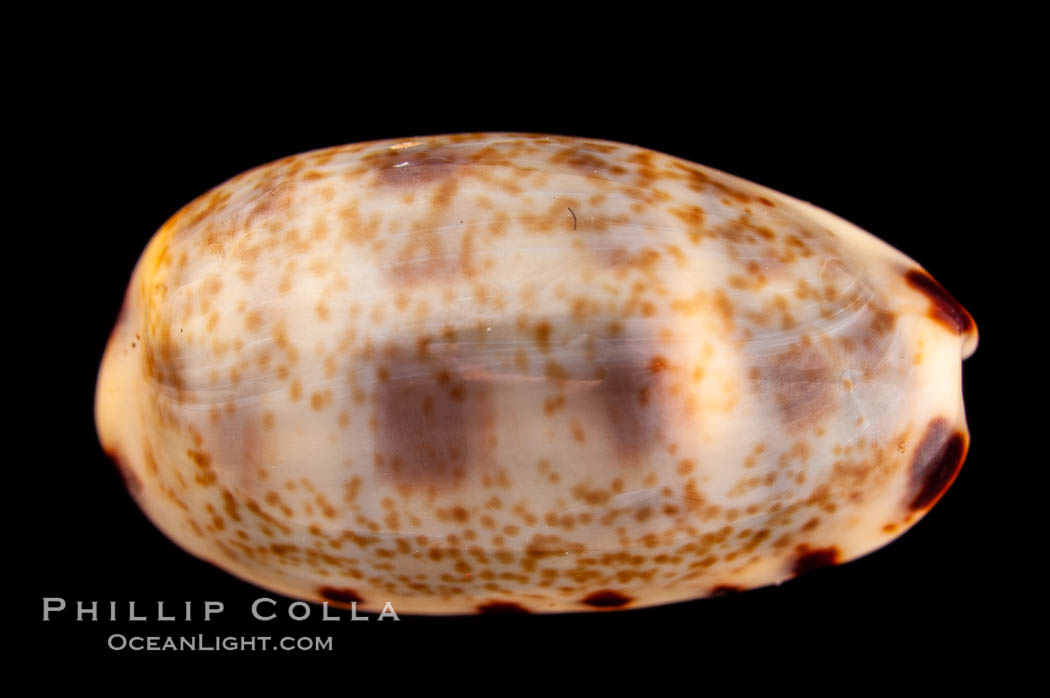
x: 507, y: 372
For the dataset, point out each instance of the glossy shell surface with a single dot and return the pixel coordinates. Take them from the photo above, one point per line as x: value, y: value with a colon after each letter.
x: 523, y: 373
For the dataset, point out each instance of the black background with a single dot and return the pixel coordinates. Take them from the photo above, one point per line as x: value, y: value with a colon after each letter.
x: 897, y: 149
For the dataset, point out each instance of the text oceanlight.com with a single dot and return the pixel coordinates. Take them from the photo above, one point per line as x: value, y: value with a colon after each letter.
x: 213, y: 643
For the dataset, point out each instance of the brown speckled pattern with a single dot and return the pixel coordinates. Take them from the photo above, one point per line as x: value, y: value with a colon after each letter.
x: 507, y: 373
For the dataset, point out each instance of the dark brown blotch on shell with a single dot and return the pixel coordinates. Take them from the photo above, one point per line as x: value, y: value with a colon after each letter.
x: 341, y: 596
x: 943, y: 308
x: 725, y: 590
x: 809, y: 559
x: 937, y: 460
x: 606, y: 598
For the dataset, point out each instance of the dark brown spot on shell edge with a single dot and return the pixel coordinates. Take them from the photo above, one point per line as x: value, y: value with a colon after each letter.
x: 936, y: 463
x: 606, y: 598
x: 502, y: 608
x: 725, y: 590
x: 809, y: 559
x: 341, y: 596
x: 943, y: 307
